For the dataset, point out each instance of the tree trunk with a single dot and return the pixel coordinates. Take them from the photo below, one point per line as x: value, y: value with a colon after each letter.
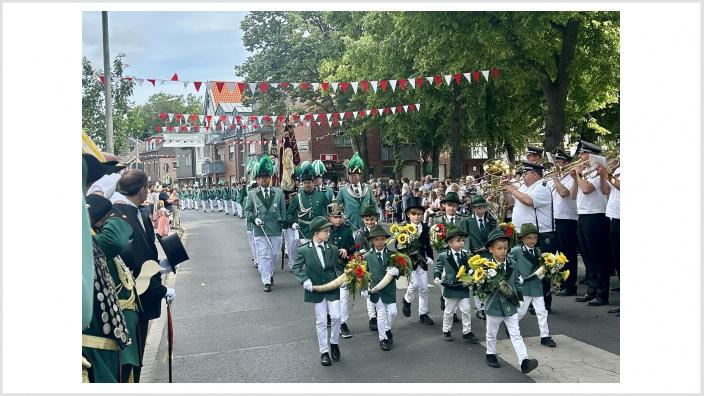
x: 510, y: 152
x: 436, y: 160
x: 490, y: 149
x: 456, y: 152
x: 556, y: 91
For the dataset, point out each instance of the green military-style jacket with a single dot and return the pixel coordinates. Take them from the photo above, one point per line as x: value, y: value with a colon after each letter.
x: 477, y: 239
x: 499, y: 305
x: 328, y: 192
x: 342, y: 238
x: 271, y: 211
x: 445, y: 262
x: 242, y: 195
x: 460, y: 222
x: 361, y: 237
x: 526, y: 264
x: 308, y: 266
x: 250, y: 224
x: 354, y: 205
x: 304, y: 207
x: 378, y: 271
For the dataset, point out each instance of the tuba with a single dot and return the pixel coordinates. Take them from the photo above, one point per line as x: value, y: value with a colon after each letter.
x: 500, y: 173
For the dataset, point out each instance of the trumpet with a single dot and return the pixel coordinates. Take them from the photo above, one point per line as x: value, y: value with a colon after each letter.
x: 563, y: 171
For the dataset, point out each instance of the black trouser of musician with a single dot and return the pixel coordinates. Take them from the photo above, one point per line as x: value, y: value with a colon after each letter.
x: 547, y: 242
x: 566, y: 232
x: 615, y: 241
x: 593, y: 233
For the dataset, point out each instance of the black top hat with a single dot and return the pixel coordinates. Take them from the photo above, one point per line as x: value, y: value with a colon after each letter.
x: 586, y: 147
x: 414, y: 202
x: 174, y: 250
x: 98, y: 207
x: 535, y: 150
x: 561, y: 154
x: 97, y: 169
x: 451, y: 197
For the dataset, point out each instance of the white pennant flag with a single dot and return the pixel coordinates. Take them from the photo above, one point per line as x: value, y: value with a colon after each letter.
x: 315, y: 116
x: 252, y: 87
x: 274, y: 85
x: 140, y: 81
x: 334, y: 86
x: 230, y: 86
x: 417, y: 106
x: 314, y: 85
x: 374, y: 85
x: 318, y: 122
x: 328, y: 115
x: 405, y: 109
x: 354, y: 85
x: 381, y: 112
x: 163, y: 129
x: 185, y: 84
x: 232, y: 120
x: 430, y: 80
x: 485, y: 73
x: 468, y: 76
x: 188, y: 128
x: 393, y: 85
x: 161, y: 82
x: 209, y: 85
x: 342, y: 115
x: 412, y: 81
x: 354, y: 113
x: 201, y: 118
x: 295, y: 85
x: 341, y: 121
x: 448, y: 77
x: 393, y: 110
x: 259, y: 119
x: 171, y: 116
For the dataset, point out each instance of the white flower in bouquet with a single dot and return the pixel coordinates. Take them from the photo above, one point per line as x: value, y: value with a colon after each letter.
x: 492, y: 272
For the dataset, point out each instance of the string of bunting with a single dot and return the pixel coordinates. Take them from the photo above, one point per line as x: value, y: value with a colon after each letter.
x: 254, y: 122
x: 324, y: 86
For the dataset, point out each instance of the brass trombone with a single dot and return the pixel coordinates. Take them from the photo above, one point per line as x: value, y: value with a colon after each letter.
x: 562, y: 171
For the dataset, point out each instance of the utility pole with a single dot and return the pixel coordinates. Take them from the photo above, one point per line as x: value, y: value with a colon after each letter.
x: 108, y: 85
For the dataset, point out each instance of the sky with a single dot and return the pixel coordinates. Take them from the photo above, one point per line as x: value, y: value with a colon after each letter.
x: 199, y: 46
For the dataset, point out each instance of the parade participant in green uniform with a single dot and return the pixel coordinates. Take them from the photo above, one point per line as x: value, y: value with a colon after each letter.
x: 202, y: 197
x: 319, y: 170
x: 361, y: 237
x: 500, y: 309
x: 527, y: 261
x: 225, y: 196
x: 355, y: 195
x: 317, y: 264
x: 242, y: 195
x: 211, y: 198
x: 266, y: 207
x: 219, y: 195
x: 341, y: 236
x: 384, y: 300
x: 234, y: 191
x: 479, y: 225
x: 249, y: 225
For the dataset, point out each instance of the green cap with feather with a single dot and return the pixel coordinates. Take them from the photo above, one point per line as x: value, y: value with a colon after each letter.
x: 265, y: 167
x: 355, y: 165
x: 318, y: 168
x: 307, y: 172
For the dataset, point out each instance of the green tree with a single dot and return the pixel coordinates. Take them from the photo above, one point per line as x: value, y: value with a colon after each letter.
x: 144, y: 118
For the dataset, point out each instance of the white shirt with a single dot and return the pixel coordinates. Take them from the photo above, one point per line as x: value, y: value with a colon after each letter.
x: 592, y: 203
x: 613, y: 206
x: 263, y: 190
x: 454, y: 255
x: 523, y: 214
x: 483, y: 219
x: 565, y: 208
x: 320, y: 253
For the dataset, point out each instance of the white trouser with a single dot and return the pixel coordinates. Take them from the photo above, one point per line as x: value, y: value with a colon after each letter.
x: 203, y: 204
x: 346, y: 304
x: 250, y: 237
x: 321, y: 323
x: 239, y: 209
x: 492, y: 327
x: 540, y: 312
x: 266, y: 258
x: 233, y: 206
x: 219, y: 205
x: 478, y: 304
x: 211, y: 204
x: 450, y: 305
x: 386, y: 316
x: 291, y: 245
x: 226, y: 204
x: 419, y: 281
x: 370, y: 309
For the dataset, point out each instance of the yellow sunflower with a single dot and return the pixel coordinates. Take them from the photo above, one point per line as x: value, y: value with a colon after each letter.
x: 411, y: 228
x: 478, y: 274
x: 475, y: 261
x: 402, y: 238
x: 489, y: 264
x: 394, y: 228
x: 561, y: 258
x: 461, y: 272
x: 549, y: 259
x: 565, y: 274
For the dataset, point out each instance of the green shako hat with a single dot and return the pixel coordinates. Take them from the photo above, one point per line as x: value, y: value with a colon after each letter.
x: 318, y: 168
x: 451, y: 197
x: 307, y: 172
x: 494, y: 236
x: 528, y: 228
x: 318, y: 224
x: 453, y: 232
x: 355, y: 164
x: 265, y: 168
x: 368, y: 210
x: 479, y: 200
x: 378, y: 230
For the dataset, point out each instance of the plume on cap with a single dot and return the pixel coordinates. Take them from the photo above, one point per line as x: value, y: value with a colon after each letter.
x: 355, y: 165
x: 251, y: 168
x: 318, y: 168
x: 265, y: 167
x: 307, y: 172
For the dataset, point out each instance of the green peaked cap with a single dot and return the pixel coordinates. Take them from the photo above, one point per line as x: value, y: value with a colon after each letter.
x: 265, y: 167
x: 355, y: 165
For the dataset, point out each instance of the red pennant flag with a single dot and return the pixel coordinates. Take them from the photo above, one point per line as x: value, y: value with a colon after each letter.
x: 364, y: 84
x: 223, y: 118
x: 348, y: 115
x: 283, y: 85
x: 178, y: 117
x: 280, y: 118
x: 174, y: 77
x: 170, y: 128
x: 252, y: 118
x: 344, y: 86
x: 207, y: 119
x: 295, y: 117
x: 162, y: 116
x: 308, y: 116
x: 386, y: 110
x: 267, y: 119
x: 373, y: 112
x: 458, y: 78
x: 402, y: 84
x: 241, y: 86
x: 383, y: 84
x: 153, y: 81
x: 495, y: 73
x: 362, y: 113
x: 197, y: 85
x: 239, y: 119
x: 476, y: 75
x: 193, y: 117
x: 399, y: 109
x: 157, y: 129
x: 264, y: 86
x: 322, y: 116
x: 196, y: 128
x: 419, y: 82
x: 438, y: 80
x: 256, y: 127
x: 219, y: 84
x: 335, y: 116
x: 102, y: 79
x: 325, y: 86
x: 304, y: 86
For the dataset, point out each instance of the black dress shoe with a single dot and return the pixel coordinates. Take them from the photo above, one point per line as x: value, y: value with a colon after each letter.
x: 492, y: 361
x: 385, y: 345
x: 390, y: 337
x: 329, y: 321
x: 425, y: 319
x: 481, y: 314
x: 528, y: 365
x: 548, y: 342
x: 447, y: 336
x: 335, y: 352
x: 597, y: 302
x: 614, y: 310
x: 272, y: 280
x: 325, y: 359
x: 345, y: 331
x: 567, y: 292
x: 471, y: 338
x: 267, y: 287
x: 584, y: 298
x: 406, y: 309
x: 372, y: 324
x: 455, y: 319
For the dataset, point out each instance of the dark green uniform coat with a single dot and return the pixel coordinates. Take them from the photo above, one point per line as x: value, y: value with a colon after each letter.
x: 477, y: 239
x: 526, y: 264
x: 497, y: 304
x: 446, y: 261
x: 304, y: 207
x: 378, y: 271
x: 271, y: 211
x: 308, y: 266
x: 460, y: 222
x: 354, y: 205
x: 342, y: 238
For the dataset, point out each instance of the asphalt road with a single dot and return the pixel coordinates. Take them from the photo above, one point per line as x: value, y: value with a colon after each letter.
x: 227, y: 329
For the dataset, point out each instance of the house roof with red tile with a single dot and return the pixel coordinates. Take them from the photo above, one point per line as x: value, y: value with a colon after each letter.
x: 225, y: 95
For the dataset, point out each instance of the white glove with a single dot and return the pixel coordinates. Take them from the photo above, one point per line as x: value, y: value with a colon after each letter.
x: 170, y: 294
x: 258, y: 222
x: 520, y: 280
x: 295, y: 226
x: 437, y: 281
x: 308, y: 285
x: 105, y: 185
x: 392, y: 271
x: 429, y: 261
x: 541, y: 276
x: 364, y: 294
x: 165, y: 266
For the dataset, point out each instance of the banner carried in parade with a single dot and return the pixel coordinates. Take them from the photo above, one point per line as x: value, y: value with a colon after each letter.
x: 184, y: 140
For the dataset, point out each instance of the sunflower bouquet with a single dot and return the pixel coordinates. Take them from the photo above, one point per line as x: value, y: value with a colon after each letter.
x: 402, y: 235
x: 358, y: 277
x: 437, y: 236
x: 551, y: 265
x: 486, y: 278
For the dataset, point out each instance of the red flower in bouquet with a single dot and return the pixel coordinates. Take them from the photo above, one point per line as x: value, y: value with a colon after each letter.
x: 357, y: 246
x: 359, y: 272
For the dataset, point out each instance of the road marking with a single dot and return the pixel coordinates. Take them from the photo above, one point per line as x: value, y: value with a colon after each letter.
x: 307, y: 339
x: 217, y: 313
x: 572, y: 361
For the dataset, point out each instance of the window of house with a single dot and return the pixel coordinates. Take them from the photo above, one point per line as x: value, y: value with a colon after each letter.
x: 340, y: 140
x: 232, y: 152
